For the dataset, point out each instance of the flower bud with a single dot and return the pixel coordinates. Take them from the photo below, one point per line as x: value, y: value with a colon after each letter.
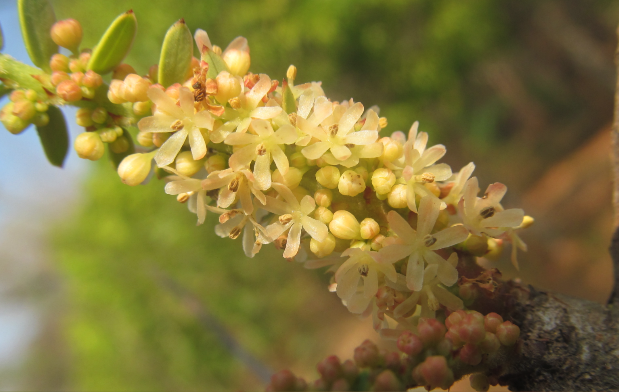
x: 135, y: 88
x: 350, y: 370
x: 470, y: 354
x: 490, y: 344
x: 283, y: 381
x: 24, y: 109
x: 77, y: 77
x: 89, y: 145
x: 134, y: 169
x: 392, y: 149
x: 83, y: 117
x: 291, y: 179
x: 410, y: 343
x: 40, y: 119
x: 351, y: 183
x: 84, y: 58
x: 324, y: 248
x: 92, y: 79
x: 291, y: 73
x: 145, y: 139
x: 434, y: 373
x: 228, y: 87
x: 330, y: 368
x: 475, y: 245
x: 59, y: 62
x: 369, y: 228
x: 215, y: 163
x: 12, y: 123
x: 527, y: 222
x: 508, y: 333
x: 328, y: 176
x: 383, y: 180
x: 366, y: 355
x: 114, y: 93
x: 495, y: 248
x: 298, y: 160
x: 186, y: 165
x: 387, y: 381
x: 492, y: 322
x: 454, y: 319
x: 75, y: 65
x: 58, y: 77
x: 430, y: 331
x: 345, y: 226
x: 479, y: 382
x: 121, y: 71
x: 69, y: 91
x: 323, y: 214
x: 120, y: 145
x: 237, y: 56
x: 159, y: 138
x: 363, y: 172
x: 67, y: 33
x: 397, y: 196
x: 377, y: 242
x: 99, y: 115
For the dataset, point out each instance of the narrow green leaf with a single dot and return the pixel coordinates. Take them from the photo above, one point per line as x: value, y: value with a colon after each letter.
x: 55, y: 137
x: 115, y: 44
x: 288, y: 102
x: 1, y: 39
x: 215, y: 63
x: 18, y: 74
x: 176, y: 54
x: 37, y: 18
x: 4, y: 90
x: 116, y: 158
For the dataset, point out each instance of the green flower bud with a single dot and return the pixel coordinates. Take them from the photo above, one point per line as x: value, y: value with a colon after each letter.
x: 186, y: 165
x: 41, y: 106
x: 298, y: 160
x: 89, y: 145
x: 134, y: 169
x: 83, y: 117
x: 120, y: 145
x: 383, y: 180
x: 40, y: 119
x: 345, y: 226
x: 24, y: 109
x: 324, y: 215
x: 99, y: 115
x: 142, y: 108
x: 145, y: 139
x: 215, y: 163
x: 328, y: 176
x: 12, y: 123
x: 67, y: 33
x: 351, y: 183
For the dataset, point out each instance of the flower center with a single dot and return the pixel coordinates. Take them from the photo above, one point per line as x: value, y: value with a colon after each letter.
x: 487, y: 212
x: 363, y: 270
x: 429, y: 240
x: 177, y: 125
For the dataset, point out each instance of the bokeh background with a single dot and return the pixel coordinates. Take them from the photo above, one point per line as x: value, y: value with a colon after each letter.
x: 106, y: 287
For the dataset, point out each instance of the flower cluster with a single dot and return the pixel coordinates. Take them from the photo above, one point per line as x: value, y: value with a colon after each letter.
x: 281, y: 163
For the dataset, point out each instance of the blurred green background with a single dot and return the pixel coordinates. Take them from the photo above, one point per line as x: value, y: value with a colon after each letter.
x: 145, y: 300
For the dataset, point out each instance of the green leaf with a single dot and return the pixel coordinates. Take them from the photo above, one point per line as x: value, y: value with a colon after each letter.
x: 115, y: 44
x: 37, y: 18
x: 116, y: 158
x: 55, y: 137
x: 4, y: 90
x: 289, y: 104
x: 215, y: 63
x: 176, y: 54
x: 1, y: 39
x: 18, y: 74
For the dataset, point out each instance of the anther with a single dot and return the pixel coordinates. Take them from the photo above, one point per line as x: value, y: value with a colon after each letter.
x: 429, y: 240
x: 363, y: 270
x: 487, y: 212
x: 293, y: 119
x: 233, y: 186
x: 261, y: 149
x: 177, y: 125
x: 333, y: 129
x: 234, y: 234
x: 284, y: 219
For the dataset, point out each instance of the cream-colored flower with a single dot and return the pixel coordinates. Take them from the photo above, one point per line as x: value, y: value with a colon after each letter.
x: 182, y: 120
x: 263, y: 147
x: 232, y: 184
x: 336, y: 134
x: 455, y: 193
x: 254, y: 234
x: 362, y: 267
x: 419, y: 246
x: 293, y: 216
x: 486, y: 215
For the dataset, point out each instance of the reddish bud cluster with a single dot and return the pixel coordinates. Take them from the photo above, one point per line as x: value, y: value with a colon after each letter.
x: 434, y: 373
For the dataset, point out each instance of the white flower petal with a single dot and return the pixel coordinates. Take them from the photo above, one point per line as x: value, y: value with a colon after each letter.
x: 197, y: 144
x: 293, y: 242
x: 394, y: 253
x: 414, y: 273
x: 262, y: 171
x: 183, y: 186
x: 186, y: 100
x: 447, y: 299
x: 447, y: 273
x: 168, y: 151
x: 164, y: 102
x: 202, y: 39
x: 315, y: 228
x: 409, y: 304
x: 449, y: 237
x: 349, y: 119
x: 370, y: 284
x: 316, y: 150
x: 431, y: 155
x: 347, y: 284
x: 429, y: 208
x: 340, y: 153
x: 286, y: 134
x: 203, y: 120
x: 280, y: 159
x: 242, y: 157
x: 361, y: 137
x: 508, y: 218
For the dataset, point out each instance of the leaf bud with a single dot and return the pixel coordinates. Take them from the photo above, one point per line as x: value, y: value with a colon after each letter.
x: 323, y: 197
x: 228, y: 87
x: 215, y: 163
x: 328, y: 176
x: 237, y: 56
x: 83, y: 117
x: 410, y: 343
x: 345, y: 226
x: 92, y: 79
x: 121, y: 71
x: 134, y: 169
x: 369, y: 228
x: 323, y: 214
x: 383, y: 180
x: 186, y: 165
x: 323, y: 248
x: 291, y: 179
x: 397, y: 197
x: 89, y: 145
x: 67, y: 33
x: 508, y: 333
x: 351, y: 183
x: 69, y: 91
x: 59, y: 62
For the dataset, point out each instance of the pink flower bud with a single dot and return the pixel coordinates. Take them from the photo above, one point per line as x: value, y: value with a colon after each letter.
x: 410, y: 343
x: 392, y: 361
x: 387, y: 381
x: 284, y: 380
x: 471, y: 330
x: 69, y: 91
x: 454, y: 338
x: 366, y: 354
x: 430, y: 331
x: 470, y: 354
x: 77, y: 77
x: 59, y: 62
x: 330, y: 368
x: 67, y: 33
x: 92, y: 79
x: 434, y: 373
x: 508, y: 333
x: 455, y: 318
x: 492, y: 321
x: 58, y: 77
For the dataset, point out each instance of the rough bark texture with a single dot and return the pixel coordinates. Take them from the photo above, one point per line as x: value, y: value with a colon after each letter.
x: 567, y: 344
